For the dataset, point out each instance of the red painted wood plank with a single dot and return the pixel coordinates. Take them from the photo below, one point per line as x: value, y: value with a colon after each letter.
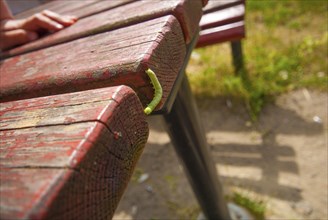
x: 229, y: 32
x: 59, y: 6
x: 222, y: 17
x: 216, y: 5
x: 108, y: 59
x: 77, y: 8
x: 188, y: 12
x: 69, y: 164
x: 97, y: 7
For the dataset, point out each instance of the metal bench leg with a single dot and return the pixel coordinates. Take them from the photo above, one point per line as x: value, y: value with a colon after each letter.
x: 184, y: 127
x: 237, y: 56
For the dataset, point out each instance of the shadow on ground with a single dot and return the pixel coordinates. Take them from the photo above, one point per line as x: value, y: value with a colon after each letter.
x: 270, y: 158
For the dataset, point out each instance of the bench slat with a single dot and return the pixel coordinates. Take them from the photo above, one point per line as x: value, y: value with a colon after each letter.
x: 78, y: 8
x: 229, y: 32
x: 187, y: 12
x: 107, y: 59
x: 57, y: 6
x: 223, y: 21
x: 223, y: 17
x: 69, y: 164
x: 214, y: 5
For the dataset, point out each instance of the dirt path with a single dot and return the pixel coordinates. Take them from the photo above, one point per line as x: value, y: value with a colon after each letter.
x: 282, y: 160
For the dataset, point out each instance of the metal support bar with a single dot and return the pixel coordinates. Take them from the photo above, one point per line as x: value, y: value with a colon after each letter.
x: 237, y: 56
x: 186, y: 132
x: 176, y: 87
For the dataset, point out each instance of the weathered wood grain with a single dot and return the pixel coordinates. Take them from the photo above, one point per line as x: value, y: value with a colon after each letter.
x: 188, y: 13
x: 223, y: 17
x: 118, y: 57
x: 59, y: 6
x: 73, y: 155
x: 77, y: 8
x: 97, y: 7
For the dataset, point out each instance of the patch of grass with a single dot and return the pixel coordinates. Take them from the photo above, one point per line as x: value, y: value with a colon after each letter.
x: 276, y: 12
x: 136, y: 175
x: 285, y: 49
x: 184, y: 212
x: 171, y: 182
x: 256, y: 207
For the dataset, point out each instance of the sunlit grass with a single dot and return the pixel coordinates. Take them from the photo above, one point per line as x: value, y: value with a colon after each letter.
x: 285, y: 49
x: 255, y: 206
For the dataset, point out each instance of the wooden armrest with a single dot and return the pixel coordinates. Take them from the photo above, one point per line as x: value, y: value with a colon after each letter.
x: 69, y: 156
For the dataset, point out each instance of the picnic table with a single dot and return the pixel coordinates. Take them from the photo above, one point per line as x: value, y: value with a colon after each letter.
x: 72, y: 125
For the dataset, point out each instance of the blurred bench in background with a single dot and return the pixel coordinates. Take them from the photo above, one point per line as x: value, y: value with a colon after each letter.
x: 223, y: 21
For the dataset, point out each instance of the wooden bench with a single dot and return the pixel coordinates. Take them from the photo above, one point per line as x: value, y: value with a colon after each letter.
x: 65, y: 113
x: 223, y: 21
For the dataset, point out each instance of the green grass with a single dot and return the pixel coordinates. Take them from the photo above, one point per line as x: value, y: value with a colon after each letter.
x: 184, y: 212
x: 285, y: 49
x: 136, y: 175
x: 255, y: 207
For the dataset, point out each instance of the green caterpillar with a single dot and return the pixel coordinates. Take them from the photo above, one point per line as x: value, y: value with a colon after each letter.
x: 157, y: 94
